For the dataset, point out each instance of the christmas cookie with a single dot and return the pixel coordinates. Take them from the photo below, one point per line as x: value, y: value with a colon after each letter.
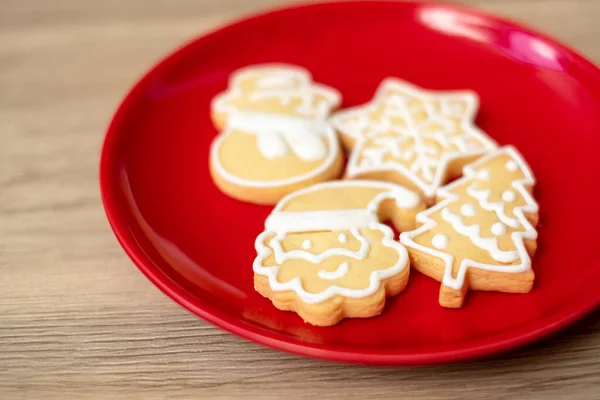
x: 326, y: 254
x: 417, y: 138
x: 481, y: 233
x: 275, y: 135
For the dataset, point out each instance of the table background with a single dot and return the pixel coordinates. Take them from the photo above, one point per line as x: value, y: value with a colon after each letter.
x: 78, y: 320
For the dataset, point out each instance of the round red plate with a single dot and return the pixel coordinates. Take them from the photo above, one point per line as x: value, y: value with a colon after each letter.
x: 196, y: 244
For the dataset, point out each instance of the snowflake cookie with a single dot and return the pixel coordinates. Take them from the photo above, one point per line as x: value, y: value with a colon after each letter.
x: 411, y: 136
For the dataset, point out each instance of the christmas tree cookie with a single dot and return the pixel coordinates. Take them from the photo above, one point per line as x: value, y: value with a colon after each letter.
x: 481, y: 233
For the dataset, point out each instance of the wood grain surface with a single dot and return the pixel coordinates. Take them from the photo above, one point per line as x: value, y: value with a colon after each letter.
x: 78, y: 320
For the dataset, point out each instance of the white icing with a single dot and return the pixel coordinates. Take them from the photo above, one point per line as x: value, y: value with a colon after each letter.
x: 284, y: 96
x: 257, y: 123
x: 473, y: 232
x: 511, y: 165
x: 396, y: 101
x: 454, y: 109
x: 278, y: 227
x: 272, y: 144
x: 308, y: 147
x: 468, y: 210
x: 425, y: 171
x: 440, y: 241
x: 310, y: 137
x: 482, y: 196
x: 483, y: 175
x: 307, y: 244
x: 284, y: 83
x: 403, y: 198
x: 296, y: 284
x: 509, y: 196
x: 275, y: 81
x: 282, y: 256
x: 498, y: 229
x: 277, y: 133
x: 338, y: 273
x: 529, y: 232
x: 307, y: 221
x: 332, y: 154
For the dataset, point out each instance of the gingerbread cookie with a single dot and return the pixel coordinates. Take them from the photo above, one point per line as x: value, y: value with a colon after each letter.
x: 326, y: 254
x: 276, y: 137
x: 417, y: 138
x: 481, y: 233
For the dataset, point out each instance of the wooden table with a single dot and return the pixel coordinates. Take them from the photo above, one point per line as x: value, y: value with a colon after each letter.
x: 78, y: 320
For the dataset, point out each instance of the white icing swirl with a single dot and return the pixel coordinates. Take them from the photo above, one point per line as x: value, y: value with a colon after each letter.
x: 473, y: 233
x: 281, y: 222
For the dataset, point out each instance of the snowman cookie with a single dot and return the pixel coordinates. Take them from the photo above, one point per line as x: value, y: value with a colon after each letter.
x: 275, y: 136
x: 414, y: 137
x: 326, y: 255
x: 481, y: 233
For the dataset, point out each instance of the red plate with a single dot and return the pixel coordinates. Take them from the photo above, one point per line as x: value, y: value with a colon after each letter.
x: 196, y: 244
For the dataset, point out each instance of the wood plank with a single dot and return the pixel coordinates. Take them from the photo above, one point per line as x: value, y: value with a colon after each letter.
x: 78, y: 320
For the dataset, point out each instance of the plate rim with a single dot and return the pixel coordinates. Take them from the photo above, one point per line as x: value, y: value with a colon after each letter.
x: 453, y: 352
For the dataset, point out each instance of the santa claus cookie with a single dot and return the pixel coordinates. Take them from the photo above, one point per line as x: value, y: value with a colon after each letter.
x: 276, y: 137
x: 326, y: 254
x: 418, y: 138
x: 481, y: 233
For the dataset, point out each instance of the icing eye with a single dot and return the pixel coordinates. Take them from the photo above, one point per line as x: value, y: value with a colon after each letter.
x: 509, y: 196
x: 511, y: 165
x: 468, y: 210
x: 343, y: 238
x: 307, y: 244
x: 498, y: 229
x: 440, y: 241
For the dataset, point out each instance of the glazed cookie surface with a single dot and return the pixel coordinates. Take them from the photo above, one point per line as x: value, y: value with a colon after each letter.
x: 481, y: 233
x: 275, y: 136
x: 417, y: 138
x: 326, y: 255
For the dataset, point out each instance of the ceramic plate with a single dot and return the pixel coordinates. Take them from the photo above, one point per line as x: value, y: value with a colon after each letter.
x: 197, y: 245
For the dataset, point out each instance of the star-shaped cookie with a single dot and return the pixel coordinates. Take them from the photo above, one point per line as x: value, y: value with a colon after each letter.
x: 412, y: 136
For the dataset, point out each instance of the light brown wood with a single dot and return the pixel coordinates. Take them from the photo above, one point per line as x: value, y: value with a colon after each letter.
x: 77, y: 319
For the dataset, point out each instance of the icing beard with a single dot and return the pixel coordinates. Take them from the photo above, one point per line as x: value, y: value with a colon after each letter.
x: 327, y: 240
x: 318, y: 265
